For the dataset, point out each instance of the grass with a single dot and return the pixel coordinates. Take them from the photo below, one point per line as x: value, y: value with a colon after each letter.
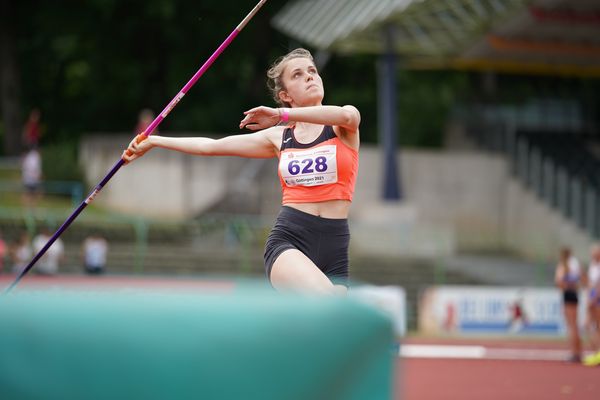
x: 55, y: 209
x: 10, y: 174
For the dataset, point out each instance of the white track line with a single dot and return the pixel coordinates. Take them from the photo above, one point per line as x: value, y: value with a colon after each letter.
x: 439, y: 351
x: 480, y: 352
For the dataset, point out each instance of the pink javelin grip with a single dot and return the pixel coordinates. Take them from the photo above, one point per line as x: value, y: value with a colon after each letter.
x: 140, y: 137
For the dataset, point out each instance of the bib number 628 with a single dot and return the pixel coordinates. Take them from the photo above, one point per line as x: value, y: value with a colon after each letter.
x: 306, y: 165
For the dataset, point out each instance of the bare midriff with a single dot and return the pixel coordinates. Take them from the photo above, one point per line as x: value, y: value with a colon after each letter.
x: 335, y: 209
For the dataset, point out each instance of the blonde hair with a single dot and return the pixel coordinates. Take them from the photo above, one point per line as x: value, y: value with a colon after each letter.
x: 274, y: 74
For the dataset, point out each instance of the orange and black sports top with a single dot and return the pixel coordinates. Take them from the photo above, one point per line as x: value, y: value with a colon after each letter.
x: 319, y: 171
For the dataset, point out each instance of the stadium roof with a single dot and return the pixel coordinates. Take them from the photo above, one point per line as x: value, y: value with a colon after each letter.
x: 529, y: 36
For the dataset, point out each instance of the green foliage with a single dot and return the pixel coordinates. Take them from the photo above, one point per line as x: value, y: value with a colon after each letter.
x: 59, y: 162
x: 92, y: 66
x: 95, y: 67
x: 425, y: 98
x: 1, y: 137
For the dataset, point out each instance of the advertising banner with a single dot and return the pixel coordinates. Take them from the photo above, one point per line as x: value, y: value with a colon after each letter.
x: 390, y: 300
x: 493, y: 310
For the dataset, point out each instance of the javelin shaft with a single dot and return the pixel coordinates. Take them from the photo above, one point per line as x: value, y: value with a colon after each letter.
x: 147, y: 132
x: 202, y: 70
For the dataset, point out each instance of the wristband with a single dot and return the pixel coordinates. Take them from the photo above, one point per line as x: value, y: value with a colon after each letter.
x: 285, y: 114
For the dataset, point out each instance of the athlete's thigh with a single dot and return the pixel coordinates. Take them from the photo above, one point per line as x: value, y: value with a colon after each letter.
x: 292, y: 270
x: 341, y: 290
x: 571, y: 313
x: 596, y: 314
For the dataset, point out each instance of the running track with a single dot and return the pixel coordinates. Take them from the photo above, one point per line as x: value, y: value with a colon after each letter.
x: 504, y: 370
x: 426, y: 369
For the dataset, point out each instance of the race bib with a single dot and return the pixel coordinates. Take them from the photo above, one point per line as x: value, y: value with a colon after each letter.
x: 311, y: 167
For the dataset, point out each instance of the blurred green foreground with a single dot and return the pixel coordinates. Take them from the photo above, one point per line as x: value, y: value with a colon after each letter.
x: 244, y: 343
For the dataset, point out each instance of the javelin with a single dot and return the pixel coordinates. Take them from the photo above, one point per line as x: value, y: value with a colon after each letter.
x: 140, y: 137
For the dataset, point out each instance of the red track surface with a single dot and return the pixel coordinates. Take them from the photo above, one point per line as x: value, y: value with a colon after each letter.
x: 464, y: 379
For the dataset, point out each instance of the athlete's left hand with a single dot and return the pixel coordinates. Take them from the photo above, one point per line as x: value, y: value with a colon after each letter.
x: 260, y: 118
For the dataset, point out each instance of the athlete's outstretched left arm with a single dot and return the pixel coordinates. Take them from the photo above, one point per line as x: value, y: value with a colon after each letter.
x: 346, y: 117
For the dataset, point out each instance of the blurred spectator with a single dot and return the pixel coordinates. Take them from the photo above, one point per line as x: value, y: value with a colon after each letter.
x: 145, y: 118
x: 20, y: 252
x: 31, y: 176
x: 593, y: 306
x: 449, y: 324
x: 518, y: 319
x: 48, y: 264
x: 3, y: 252
x: 32, y: 129
x: 94, y: 248
x: 567, y: 278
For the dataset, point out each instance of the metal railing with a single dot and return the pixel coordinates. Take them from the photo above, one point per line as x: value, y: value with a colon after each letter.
x: 67, y: 188
x: 533, y: 143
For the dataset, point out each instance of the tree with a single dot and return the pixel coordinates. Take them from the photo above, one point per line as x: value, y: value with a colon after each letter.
x: 9, y: 80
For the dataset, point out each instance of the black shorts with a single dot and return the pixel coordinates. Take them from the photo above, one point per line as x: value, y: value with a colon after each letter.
x: 32, y: 188
x: 570, y: 297
x: 323, y: 240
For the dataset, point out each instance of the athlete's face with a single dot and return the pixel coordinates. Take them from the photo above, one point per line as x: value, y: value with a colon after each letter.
x: 302, y: 84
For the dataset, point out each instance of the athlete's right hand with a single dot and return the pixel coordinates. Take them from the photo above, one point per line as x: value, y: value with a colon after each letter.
x: 260, y: 118
x: 137, y: 148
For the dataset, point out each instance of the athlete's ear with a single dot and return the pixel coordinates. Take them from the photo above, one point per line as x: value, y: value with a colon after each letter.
x: 285, y: 97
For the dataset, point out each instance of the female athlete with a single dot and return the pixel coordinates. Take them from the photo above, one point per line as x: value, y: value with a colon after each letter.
x: 567, y: 278
x: 317, y: 146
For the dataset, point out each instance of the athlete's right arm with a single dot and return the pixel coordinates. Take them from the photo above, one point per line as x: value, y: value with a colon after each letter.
x: 254, y: 145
